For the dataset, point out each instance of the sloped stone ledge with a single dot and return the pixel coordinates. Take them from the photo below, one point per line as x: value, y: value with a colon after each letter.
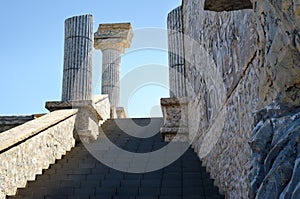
x: 28, y: 149
x: 9, y: 122
x: 91, y: 114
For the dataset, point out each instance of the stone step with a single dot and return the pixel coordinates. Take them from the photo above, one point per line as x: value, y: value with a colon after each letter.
x: 79, y: 175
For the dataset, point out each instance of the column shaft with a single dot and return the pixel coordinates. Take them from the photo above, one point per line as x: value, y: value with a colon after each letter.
x: 176, y: 54
x: 111, y: 60
x: 77, y: 74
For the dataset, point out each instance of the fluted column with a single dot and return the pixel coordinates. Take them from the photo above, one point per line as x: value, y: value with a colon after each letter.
x: 176, y: 54
x: 111, y: 75
x: 77, y: 74
x: 175, y: 108
x: 112, y: 39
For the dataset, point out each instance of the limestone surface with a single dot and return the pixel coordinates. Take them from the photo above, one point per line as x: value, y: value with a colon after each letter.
x: 9, y: 122
x: 175, y: 119
x: 28, y: 149
x: 221, y: 61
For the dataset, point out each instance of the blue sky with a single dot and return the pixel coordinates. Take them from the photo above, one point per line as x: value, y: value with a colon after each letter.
x: 31, y: 57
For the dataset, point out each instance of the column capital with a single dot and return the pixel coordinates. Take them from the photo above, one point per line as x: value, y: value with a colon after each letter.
x: 115, y: 36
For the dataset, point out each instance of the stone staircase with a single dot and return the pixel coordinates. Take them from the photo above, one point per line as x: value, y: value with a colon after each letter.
x: 80, y: 175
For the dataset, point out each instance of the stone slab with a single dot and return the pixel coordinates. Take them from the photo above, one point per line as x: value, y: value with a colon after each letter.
x: 13, y: 136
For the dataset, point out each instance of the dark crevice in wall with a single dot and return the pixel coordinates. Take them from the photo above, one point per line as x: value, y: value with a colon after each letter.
x: 227, y: 5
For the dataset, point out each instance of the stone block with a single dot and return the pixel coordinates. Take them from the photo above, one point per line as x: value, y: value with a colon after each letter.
x: 121, y: 112
x: 91, y: 114
x: 175, y: 119
x: 113, y: 36
x: 28, y: 149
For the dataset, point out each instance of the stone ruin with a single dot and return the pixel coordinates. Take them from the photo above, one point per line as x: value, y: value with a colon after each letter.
x: 240, y: 61
x: 234, y: 94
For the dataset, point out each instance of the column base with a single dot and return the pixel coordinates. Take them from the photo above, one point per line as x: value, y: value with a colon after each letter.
x: 91, y: 114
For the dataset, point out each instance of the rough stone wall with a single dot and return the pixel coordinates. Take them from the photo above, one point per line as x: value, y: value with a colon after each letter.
x: 236, y: 63
x: 275, y: 165
x: 275, y: 142
x: 279, y: 35
x: 22, y: 157
x: 222, y: 82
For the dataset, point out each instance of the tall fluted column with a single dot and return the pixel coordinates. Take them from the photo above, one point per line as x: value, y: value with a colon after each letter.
x: 112, y: 39
x: 77, y: 74
x: 111, y: 75
x: 175, y: 108
x: 176, y: 54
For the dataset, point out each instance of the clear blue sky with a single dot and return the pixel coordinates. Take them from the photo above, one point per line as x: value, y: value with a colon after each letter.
x: 31, y: 57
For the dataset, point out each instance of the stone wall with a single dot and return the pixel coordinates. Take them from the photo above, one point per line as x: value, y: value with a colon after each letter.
x: 222, y: 82
x: 275, y: 165
x: 28, y: 149
x: 275, y: 142
x: 238, y: 62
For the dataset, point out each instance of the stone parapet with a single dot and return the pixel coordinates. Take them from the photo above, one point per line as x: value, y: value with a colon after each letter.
x: 91, y: 114
x: 29, y: 148
x: 9, y: 122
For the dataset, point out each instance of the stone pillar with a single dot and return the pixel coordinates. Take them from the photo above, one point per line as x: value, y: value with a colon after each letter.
x: 112, y: 39
x: 174, y: 109
x: 77, y: 80
x: 77, y: 74
x: 111, y: 75
x: 176, y: 54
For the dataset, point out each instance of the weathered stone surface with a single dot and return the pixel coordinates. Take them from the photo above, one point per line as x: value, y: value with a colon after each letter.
x: 29, y: 129
x: 278, y: 28
x: 9, y: 122
x: 291, y: 188
x: 121, y: 112
x: 227, y: 5
x: 175, y: 119
x: 91, y: 114
x: 111, y: 61
x: 176, y: 54
x: 279, y: 47
x: 222, y: 89
x: 278, y: 160
x: 116, y: 36
x: 102, y: 106
x: 112, y: 40
x: 237, y: 62
x: 28, y: 149
x: 77, y: 75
